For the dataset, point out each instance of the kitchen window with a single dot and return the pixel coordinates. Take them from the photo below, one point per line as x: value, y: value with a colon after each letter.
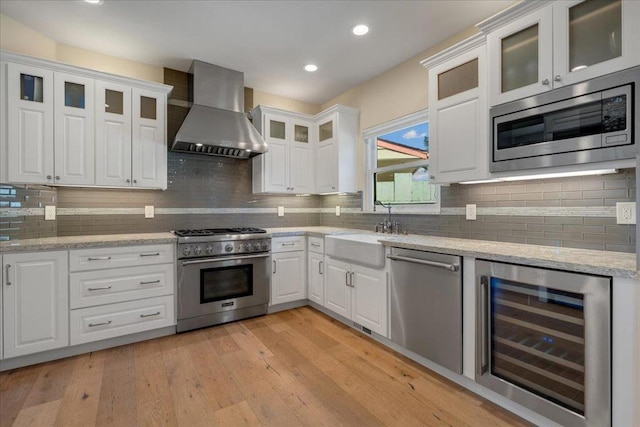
x: 398, y: 166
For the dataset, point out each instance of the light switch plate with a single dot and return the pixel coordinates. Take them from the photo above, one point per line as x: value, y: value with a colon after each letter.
x: 49, y: 213
x: 471, y: 212
x: 337, y: 210
x: 626, y: 213
x: 149, y: 212
x: 280, y: 210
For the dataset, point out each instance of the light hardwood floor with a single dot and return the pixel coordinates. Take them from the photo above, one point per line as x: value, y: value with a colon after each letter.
x: 293, y: 368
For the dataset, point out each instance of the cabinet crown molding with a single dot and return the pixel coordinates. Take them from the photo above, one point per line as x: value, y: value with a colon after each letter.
x: 456, y: 50
x: 337, y: 108
x: 9, y: 56
x: 510, y: 14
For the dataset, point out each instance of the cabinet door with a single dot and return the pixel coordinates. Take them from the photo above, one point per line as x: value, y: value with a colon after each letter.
x: 459, y: 138
x: 521, y: 55
x: 594, y: 38
x: 301, y: 165
x: 326, y: 157
x: 148, y: 147
x: 113, y: 134
x: 35, y: 302
x: 74, y: 140
x: 316, y: 278
x: 276, y: 135
x: 30, y: 124
x: 289, y: 274
x: 337, y: 287
x: 369, y: 298
x: 3, y: 126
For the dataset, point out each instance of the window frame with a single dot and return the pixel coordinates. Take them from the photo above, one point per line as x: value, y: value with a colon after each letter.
x: 370, y: 137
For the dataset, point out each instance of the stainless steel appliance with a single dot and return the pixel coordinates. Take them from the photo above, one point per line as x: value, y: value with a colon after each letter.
x: 592, y: 121
x: 426, y: 305
x: 543, y: 340
x: 223, y: 275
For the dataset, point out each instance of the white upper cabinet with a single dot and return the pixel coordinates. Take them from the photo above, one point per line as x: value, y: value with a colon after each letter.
x: 74, y: 136
x: 458, y: 113
x: 287, y: 167
x: 307, y: 154
x: 29, y: 124
x: 72, y: 126
x: 538, y: 46
x: 336, y: 153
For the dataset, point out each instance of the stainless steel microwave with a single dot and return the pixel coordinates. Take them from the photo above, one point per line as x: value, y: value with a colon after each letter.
x: 592, y: 121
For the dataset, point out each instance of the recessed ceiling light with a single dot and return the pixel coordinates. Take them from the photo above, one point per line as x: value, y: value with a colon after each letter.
x: 94, y: 1
x: 311, y: 68
x: 360, y: 30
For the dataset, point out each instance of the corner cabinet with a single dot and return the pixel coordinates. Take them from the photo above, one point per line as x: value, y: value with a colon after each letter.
x: 459, y: 148
x: 538, y: 46
x: 35, y: 302
x: 288, y: 165
x: 71, y: 126
x: 307, y: 154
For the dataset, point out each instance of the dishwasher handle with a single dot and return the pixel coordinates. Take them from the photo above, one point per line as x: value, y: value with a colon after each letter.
x: 451, y: 267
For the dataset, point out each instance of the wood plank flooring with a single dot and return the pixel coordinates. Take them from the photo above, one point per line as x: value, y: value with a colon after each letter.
x: 293, y: 368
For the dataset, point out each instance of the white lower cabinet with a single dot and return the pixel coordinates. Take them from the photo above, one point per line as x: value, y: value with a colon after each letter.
x: 288, y: 281
x: 35, y: 302
x: 357, y: 293
x: 315, y: 271
x: 120, y: 290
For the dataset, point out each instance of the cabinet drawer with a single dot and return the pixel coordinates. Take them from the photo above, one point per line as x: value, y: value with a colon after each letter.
x: 316, y: 244
x: 121, y: 256
x: 91, y: 288
x: 114, y: 320
x: 288, y: 244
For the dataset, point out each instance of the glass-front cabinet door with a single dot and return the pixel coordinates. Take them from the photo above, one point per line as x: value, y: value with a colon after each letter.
x: 74, y: 137
x: 301, y: 167
x: 593, y: 38
x: 148, y: 149
x: 29, y: 124
x: 521, y: 57
x: 277, y: 158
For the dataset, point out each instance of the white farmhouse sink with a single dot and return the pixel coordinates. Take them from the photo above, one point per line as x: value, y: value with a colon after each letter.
x: 361, y: 249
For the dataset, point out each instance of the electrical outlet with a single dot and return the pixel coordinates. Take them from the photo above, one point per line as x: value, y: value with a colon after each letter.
x: 280, y: 210
x: 337, y: 210
x: 471, y: 212
x: 49, y: 213
x: 149, y: 212
x: 626, y: 213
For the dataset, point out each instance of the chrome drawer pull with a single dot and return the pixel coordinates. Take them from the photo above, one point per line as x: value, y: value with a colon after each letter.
x: 92, y: 325
x: 99, y: 289
x: 99, y: 258
x: 315, y: 245
x: 289, y: 244
x: 6, y: 269
x: 153, y: 254
x: 150, y: 315
x: 150, y: 282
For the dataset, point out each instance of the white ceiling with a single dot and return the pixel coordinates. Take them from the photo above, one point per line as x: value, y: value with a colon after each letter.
x: 269, y: 41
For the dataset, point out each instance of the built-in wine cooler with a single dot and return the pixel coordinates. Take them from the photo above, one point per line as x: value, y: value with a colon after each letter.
x: 544, y: 341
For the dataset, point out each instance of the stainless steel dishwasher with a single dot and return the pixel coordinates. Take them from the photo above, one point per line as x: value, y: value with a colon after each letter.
x: 426, y: 305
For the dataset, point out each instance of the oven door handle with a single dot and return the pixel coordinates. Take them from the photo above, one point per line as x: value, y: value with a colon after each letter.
x: 208, y: 260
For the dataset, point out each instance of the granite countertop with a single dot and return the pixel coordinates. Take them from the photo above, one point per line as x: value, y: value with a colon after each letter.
x: 77, y: 242
x: 316, y: 231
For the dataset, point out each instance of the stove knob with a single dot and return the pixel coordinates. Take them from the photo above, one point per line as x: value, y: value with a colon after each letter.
x: 209, y: 250
x: 186, y: 251
x: 248, y: 247
x: 265, y: 246
x: 228, y: 247
x: 197, y: 250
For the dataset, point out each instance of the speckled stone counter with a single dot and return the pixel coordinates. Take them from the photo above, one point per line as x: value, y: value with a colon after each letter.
x: 604, y: 263
x: 76, y: 242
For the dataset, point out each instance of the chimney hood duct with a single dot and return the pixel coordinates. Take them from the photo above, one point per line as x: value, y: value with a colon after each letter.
x: 216, y: 124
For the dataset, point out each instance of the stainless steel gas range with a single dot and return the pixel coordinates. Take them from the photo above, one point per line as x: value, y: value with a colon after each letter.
x: 223, y: 275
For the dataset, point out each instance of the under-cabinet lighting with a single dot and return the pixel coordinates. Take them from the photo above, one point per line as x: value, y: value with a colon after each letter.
x: 544, y: 176
x: 481, y: 181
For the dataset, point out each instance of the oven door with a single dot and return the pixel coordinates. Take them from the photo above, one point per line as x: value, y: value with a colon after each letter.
x: 543, y: 340
x: 214, y: 285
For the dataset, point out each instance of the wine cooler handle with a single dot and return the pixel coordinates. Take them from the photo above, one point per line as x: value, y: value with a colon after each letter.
x: 483, y: 320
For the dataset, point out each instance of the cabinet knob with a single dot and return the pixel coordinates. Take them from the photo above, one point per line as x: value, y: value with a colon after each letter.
x: 545, y: 82
x: 135, y: 181
x: 49, y: 177
x: 557, y: 78
x: 57, y: 178
x: 128, y: 181
x: 432, y: 177
x: 333, y: 188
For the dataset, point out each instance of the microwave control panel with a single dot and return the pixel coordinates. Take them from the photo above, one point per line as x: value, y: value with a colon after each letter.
x: 614, y: 114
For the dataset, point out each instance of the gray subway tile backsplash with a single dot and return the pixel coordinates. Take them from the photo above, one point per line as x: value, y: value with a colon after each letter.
x: 215, y: 182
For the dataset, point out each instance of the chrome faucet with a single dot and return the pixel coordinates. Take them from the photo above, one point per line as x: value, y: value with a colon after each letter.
x: 387, y: 226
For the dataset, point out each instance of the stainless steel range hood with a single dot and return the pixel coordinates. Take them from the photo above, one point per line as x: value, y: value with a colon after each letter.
x: 216, y: 124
